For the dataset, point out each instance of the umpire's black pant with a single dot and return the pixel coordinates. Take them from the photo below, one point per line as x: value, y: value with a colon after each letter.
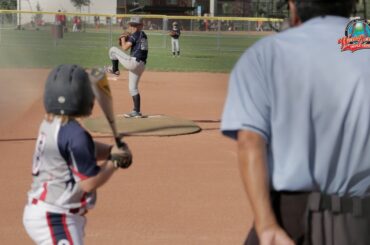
x: 318, y: 219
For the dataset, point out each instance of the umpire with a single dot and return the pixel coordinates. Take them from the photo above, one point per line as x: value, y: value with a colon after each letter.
x: 299, y: 109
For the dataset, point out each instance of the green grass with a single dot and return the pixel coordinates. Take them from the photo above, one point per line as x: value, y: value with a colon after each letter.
x: 209, y: 52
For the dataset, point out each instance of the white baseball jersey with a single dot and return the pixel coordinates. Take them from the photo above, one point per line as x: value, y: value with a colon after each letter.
x: 64, y: 155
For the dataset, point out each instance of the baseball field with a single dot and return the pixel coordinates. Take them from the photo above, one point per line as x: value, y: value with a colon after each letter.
x: 180, y: 189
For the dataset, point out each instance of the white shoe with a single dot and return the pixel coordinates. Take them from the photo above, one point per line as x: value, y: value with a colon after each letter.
x: 109, y: 69
x: 133, y: 114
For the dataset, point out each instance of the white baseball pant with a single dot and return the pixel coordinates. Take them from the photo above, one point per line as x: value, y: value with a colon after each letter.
x: 175, y: 45
x: 135, y: 68
x: 47, y: 225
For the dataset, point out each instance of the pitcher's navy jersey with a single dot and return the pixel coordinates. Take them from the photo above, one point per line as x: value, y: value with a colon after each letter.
x: 139, y: 48
x: 64, y: 155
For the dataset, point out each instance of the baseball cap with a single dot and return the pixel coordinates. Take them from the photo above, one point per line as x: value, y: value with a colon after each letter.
x: 135, y: 20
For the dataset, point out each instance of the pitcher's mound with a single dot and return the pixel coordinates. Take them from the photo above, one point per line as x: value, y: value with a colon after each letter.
x: 151, y: 125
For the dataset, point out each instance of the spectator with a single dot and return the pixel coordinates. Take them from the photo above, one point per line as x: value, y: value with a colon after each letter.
x: 97, y: 22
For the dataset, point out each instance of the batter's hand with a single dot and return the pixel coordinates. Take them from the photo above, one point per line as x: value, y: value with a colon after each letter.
x: 121, y: 157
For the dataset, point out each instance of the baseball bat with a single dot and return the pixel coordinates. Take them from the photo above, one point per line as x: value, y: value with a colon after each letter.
x: 103, y: 95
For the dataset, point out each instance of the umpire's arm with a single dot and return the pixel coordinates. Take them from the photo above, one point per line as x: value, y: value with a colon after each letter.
x: 254, y: 173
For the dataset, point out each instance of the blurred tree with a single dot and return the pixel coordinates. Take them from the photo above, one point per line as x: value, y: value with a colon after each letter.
x: 38, y: 17
x: 79, y: 3
x: 8, y: 4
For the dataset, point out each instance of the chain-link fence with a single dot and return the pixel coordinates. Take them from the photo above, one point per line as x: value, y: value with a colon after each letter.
x: 40, y: 39
x: 40, y: 27
x: 44, y: 39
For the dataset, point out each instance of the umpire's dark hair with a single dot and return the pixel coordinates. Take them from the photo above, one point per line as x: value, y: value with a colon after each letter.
x: 308, y: 9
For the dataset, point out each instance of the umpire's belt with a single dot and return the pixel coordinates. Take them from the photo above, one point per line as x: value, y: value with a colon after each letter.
x: 355, y: 205
x: 54, y: 209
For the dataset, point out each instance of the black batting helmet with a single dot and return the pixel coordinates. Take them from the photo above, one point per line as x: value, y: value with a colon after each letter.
x: 68, y: 91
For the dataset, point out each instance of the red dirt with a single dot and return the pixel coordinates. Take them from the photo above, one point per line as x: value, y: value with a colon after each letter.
x: 180, y: 190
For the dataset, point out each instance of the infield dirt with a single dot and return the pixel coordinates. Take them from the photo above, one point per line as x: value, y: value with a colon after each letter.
x: 179, y: 190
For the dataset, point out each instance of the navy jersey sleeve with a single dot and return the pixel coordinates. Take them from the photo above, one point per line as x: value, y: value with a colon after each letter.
x: 78, y: 148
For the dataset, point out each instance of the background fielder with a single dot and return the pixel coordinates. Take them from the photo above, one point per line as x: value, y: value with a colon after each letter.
x: 175, y: 36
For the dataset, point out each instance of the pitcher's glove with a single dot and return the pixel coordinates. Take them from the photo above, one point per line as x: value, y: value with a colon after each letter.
x: 125, y: 35
x: 121, y: 157
x: 172, y: 33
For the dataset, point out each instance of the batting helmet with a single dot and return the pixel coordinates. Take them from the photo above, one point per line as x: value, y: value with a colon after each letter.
x: 68, y: 91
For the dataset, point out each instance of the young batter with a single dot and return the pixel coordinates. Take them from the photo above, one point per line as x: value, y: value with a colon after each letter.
x: 65, y: 169
x: 137, y: 42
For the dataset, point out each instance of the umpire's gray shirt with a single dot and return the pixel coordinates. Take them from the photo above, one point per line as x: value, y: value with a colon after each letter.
x: 311, y: 102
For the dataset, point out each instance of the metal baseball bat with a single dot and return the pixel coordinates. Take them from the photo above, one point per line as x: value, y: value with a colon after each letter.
x: 103, y: 95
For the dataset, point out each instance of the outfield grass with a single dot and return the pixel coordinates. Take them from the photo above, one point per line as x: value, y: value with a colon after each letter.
x: 209, y: 52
